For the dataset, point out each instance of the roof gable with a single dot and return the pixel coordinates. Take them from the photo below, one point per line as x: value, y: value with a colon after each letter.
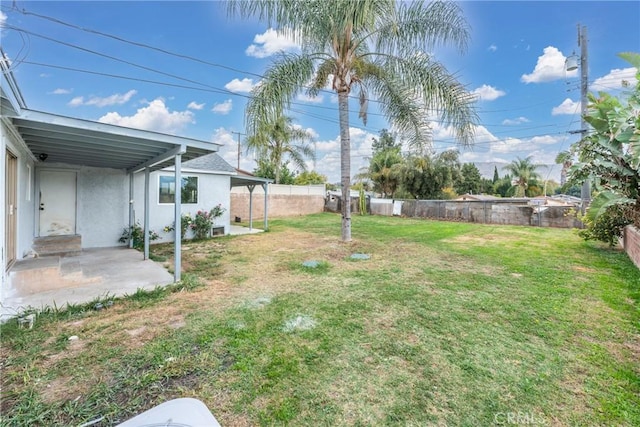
x: 211, y: 162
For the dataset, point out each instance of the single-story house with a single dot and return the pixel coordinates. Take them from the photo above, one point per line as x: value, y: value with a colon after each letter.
x: 78, y: 183
x: 206, y: 183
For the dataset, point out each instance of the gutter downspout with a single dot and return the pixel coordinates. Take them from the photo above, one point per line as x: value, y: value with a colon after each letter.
x: 177, y: 245
x: 146, y: 212
x: 265, y: 187
x: 251, y: 188
x: 131, y: 219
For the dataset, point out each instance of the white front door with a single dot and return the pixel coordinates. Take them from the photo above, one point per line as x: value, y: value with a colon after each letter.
x: 57, y: 203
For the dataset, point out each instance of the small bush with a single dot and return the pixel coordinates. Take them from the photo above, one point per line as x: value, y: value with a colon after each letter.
x: 136, y: 233
x: 608, y: 226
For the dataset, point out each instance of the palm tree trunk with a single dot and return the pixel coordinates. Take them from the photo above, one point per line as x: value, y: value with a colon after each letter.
x: 345, y: 164
x: 277, y: 160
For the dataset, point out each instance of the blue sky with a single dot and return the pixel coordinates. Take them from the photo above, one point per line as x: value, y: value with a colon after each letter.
x: 185, y: 68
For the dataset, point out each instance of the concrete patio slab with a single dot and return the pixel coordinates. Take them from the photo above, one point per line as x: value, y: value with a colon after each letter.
x: 236, y: 230
x: 95, y: 273
x: 57, y: 281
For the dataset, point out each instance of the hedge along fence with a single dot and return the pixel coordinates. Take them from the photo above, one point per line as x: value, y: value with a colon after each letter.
x: 508, y: 212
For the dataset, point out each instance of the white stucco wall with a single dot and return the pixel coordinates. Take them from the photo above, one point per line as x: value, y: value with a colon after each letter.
x: 212, y: 190
x: 103, y: 211
x: 102, y: 196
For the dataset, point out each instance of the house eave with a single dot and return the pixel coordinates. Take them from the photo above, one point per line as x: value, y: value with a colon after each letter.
x: 58, y: 139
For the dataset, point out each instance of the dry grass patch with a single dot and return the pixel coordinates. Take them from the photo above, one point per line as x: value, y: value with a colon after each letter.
x: 445, y: 324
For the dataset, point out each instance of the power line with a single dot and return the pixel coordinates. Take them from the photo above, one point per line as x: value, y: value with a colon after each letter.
x: 189, y: 57
x: 206, y: 87
x: 450, y: 142
x: 213, y: 89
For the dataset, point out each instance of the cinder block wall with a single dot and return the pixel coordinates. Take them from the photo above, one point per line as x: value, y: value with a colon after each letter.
x: 279, y: 205
x: 493, y: 212
x: 632, y: 244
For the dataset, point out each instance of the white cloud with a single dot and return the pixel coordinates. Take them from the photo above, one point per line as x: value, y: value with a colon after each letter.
x: 224, y: 137
x: 61, y: 91
x: 229, y: 149
x: 329, y: 145
x: 269, y: 43
x: 614, y: 79
x: 516, y: 121
x: 115, y: 99
x: 76, y: 102
x: 490, y: 149
x: 550, y: 66
x: 508, y: 145
x: 154, y: 117
x: 223, y: 107
x: 240, y: 86
x: 488, y: 93
x: 306, y: 98
x: 567, y: 107
x: 3, y: 19
x: 310, y: 131
x: 195, y: 106
x: 548, y: 160
x: 328, y: 154
x: 492, y: 48
x: 545, y: 140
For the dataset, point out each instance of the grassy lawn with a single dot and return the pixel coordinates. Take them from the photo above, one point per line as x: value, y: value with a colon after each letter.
x: 444, y: 324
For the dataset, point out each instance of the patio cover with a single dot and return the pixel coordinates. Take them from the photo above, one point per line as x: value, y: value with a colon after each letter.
x: 87, y: 143
x: 58, y: 139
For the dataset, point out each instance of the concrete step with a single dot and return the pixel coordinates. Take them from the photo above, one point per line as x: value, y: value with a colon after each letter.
x: 70, y: 245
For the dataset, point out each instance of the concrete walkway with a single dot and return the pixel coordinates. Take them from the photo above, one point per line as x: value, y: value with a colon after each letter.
x: 235, y: 230
x: 96, y: 273
x: 55, y: 281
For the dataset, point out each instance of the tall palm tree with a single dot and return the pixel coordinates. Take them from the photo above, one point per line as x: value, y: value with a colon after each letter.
x: 523, y: 171
x: 564, y: 158
x: 377, y: 47
x: 273, y: 141
x: 384, y: 172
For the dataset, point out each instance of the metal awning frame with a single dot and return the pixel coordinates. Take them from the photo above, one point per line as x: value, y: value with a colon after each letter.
x: 251, y: 182
x: 64, y: 140
x: 74, y: 141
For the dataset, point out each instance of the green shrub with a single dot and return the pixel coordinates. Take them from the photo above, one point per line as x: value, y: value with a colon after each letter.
x: 136, y: 233
x: 606, y: 227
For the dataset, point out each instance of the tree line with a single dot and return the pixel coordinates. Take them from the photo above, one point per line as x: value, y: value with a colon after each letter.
x: 415, y: 175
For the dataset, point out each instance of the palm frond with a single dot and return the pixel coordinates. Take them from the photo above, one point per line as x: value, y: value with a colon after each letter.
x: 281, y: 83
x: 323, y: 72
x: 441, y: 93
x: 419, y: 26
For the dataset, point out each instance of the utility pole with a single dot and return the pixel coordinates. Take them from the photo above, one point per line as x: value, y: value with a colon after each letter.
x: 238, y: 133
x: 585, y: 193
